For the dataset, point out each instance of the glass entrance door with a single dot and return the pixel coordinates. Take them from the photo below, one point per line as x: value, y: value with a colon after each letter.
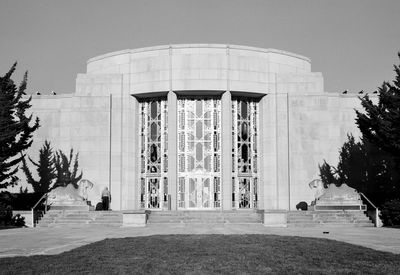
x: 245, y: 193
x: 200, y: 193
x: 153, y: 198
x: 199, y: 153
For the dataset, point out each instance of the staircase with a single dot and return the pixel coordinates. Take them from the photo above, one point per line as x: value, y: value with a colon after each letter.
x: 75, y: 217
x: 328, y: 218
x: 205, y: 217
x: 294, y: 218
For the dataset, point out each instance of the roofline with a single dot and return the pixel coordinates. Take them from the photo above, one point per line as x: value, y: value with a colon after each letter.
x: 181, y: 46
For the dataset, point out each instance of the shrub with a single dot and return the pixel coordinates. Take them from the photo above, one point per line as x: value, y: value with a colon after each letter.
x: 18, y: 220
x: 5, y: 214
x: 390, y: 212
x: 24, y: 201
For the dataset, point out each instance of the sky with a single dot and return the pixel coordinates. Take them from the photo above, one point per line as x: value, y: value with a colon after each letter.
x: 354, y: 43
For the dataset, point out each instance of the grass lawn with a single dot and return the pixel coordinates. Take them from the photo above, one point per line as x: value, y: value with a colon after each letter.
x: 205, y: 254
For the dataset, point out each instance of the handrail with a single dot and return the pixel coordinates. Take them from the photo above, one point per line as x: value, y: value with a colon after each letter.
x: 377, y: 219
x: 365, y: 197
x: 33, y: 208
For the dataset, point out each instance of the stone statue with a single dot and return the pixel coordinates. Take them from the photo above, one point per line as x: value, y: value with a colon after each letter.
x: 342, y: 197
x: 318, y: 187
x: 85, y: 186
x: 65, y: 195
x: 343, y: 193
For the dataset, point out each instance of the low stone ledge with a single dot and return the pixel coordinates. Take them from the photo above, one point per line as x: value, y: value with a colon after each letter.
x: 134, y: 218
x: 275, y: 219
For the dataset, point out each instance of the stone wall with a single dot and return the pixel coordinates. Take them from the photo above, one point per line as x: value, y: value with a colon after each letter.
x: 300, y: 124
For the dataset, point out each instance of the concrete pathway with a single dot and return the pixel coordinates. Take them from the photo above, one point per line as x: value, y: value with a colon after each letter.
x: 54, y: 240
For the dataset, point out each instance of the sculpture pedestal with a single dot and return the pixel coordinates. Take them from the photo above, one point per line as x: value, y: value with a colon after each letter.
x: 71, y: 207
x: 339, y: 198
x: 275, y: 219
x: 134, y: 218
x: 67, y: 198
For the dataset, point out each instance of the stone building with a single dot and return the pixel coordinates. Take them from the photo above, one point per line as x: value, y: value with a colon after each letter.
x: 198, y: 127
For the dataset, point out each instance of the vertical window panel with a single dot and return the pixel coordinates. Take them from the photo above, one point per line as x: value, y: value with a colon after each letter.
x: 154, y: 151
x: 201, y: 150
x: 244, y: 152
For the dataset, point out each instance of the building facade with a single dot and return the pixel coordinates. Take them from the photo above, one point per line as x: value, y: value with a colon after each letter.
x: 198, y: 127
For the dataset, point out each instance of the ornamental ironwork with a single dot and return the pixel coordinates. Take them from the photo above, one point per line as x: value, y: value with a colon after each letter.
x: 153, y: 154
x: 244, y: 153
x: 199, y: 153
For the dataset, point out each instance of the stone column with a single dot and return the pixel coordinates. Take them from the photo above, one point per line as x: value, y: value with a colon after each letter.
x: 135, y: 174
x: 226, y: 150
x: 172, y: 148
x: 282, y: 147
x: 267, y: 153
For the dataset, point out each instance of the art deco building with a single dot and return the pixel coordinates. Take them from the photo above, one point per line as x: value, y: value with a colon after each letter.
x: 199, y: 127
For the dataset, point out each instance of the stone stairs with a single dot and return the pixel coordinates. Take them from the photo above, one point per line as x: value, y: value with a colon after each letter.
x: 205, y: 217
x: 294, y: 218
x: 351, y: 218
x: 77, y: 217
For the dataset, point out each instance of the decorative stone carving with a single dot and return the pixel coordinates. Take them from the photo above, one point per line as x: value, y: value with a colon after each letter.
x: 342, y: 197
x: 67, y: 195
x: 318, y: 186
x: 85, y: 186
x: 342, y: 193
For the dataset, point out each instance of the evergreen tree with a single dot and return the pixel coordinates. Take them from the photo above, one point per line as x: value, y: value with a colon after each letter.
x: 380, y: 123
x: 327, y: 174
x: 366, y: 168
x: 45, y: 169
x: 22, y: 190
x: 66, y: 172
x: 15, y: 130
x: 352, y: 162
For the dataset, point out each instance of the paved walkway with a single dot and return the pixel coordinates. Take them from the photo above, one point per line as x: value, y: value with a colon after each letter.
x: 53, y: 240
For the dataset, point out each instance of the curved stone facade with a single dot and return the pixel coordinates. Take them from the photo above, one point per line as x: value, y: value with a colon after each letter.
x: 199, y: 126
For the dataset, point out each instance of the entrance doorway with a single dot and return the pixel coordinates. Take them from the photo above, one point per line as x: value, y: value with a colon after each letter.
x: 200, y: 193
x: 245, y: 193
x: 153, y: 198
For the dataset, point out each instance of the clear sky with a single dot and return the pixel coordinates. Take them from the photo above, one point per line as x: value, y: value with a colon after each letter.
x: 354, y: 43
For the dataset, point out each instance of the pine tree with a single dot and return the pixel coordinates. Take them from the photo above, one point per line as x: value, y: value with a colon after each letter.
x: 45, y: 169
x: 350, y: 167
x: 15, y: 130
x: 66, y: 174
x: 366, y: 168
x: 327, y: 174
x: 380, y: 124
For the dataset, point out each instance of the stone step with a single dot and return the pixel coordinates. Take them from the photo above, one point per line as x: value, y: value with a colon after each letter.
x: 204, y: 219
x: 328, y: 218
x: 300, y: 218
x: 73, y: 218
x: 330, y: 225
x: 108, y: 219
x: 327, y: 215
x: 105, y: 221
x: 71, y: 221
x: 114, y: 224
x: 53, y: 217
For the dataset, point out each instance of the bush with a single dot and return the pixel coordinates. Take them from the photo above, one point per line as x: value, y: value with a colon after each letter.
x: 24, y: 201
x: 390, y: 212
x: 18, y: 220
x: 5, y: 214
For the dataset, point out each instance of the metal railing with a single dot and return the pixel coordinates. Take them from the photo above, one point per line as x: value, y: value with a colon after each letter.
x: 35, y: 215
x: 374, y: 214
